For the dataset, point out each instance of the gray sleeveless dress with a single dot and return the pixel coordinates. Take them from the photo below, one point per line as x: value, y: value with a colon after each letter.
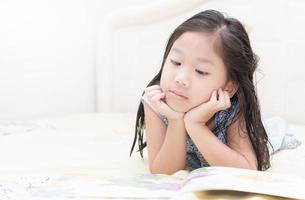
x: 223, y: 119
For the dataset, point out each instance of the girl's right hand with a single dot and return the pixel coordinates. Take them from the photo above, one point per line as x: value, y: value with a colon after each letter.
x: 156, y: 97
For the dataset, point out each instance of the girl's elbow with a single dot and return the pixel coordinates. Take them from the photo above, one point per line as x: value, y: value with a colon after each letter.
x: 152, y: 170
x: 250, y: 167
x: 162, y: 170
x: 248, y: 164
x: 253, y: 166
x: 157, y: 170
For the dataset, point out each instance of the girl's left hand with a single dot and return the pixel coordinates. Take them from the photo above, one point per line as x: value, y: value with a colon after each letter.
x: 205, y: 111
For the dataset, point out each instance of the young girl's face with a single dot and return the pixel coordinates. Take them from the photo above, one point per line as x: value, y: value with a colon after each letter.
x: 192, y: 71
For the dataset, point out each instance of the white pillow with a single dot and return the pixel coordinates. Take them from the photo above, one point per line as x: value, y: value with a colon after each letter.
x: 279, y: 134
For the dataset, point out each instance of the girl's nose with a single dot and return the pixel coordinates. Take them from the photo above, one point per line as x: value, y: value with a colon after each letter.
x: 182, y: 80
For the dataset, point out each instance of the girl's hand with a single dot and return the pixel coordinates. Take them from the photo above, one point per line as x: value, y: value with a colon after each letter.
x: 205, y: 111
x: 156, y: 97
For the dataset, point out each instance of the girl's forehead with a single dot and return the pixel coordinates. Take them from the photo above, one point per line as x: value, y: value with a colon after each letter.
x: 194, y: 41
x: 195, y: 44
x: 197, y: 47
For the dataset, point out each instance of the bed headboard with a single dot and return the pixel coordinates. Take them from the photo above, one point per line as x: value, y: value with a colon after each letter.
x: 131, y: 42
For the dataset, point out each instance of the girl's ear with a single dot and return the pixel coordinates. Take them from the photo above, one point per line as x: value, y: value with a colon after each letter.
x: 231, y: 88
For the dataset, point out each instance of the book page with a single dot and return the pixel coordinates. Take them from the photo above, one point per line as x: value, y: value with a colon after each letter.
x: 233, y: 179
x: 207, y: 181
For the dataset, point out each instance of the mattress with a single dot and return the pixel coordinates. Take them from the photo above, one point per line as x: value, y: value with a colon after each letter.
x: 96, y: 144
x: 79, y: 143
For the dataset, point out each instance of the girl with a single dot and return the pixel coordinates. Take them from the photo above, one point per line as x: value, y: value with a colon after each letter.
x: 201, y: 109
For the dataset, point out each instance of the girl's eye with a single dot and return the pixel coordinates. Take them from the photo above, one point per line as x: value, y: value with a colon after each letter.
x: 175, y: 63
x: 201, y: 72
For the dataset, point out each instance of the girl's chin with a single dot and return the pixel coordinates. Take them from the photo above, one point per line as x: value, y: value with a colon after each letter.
x: 178, y: 108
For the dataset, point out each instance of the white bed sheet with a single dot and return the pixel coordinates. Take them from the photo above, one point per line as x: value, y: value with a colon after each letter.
x: 96, y: 143
x: 86, y: 143
x: 291, y: 161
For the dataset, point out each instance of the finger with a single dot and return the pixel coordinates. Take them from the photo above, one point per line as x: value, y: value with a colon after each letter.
x: 152, y: 93
x: 221, y: 97
x: 214, y: 96
x: 221, y: 100
x: 157, y: 97
x: 153, y: 87
x: 227, y: 99
x: 156, y: 101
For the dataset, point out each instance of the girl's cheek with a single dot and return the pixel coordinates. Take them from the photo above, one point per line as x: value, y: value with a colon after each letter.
x: 163, y: 87
x: 162, y: 84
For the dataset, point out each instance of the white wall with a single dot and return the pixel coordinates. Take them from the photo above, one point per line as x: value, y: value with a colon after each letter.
x: 277, y: 36
x: 47, y: 56
x: 51, y: 52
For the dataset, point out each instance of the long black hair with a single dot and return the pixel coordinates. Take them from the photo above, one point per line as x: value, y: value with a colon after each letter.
x: 233, y: 46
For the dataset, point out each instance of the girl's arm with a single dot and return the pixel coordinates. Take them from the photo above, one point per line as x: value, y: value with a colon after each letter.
x: 238, y: 153
x: 166, y: 146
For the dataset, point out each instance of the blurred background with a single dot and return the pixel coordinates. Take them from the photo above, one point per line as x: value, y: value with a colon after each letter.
x: 63, y: 57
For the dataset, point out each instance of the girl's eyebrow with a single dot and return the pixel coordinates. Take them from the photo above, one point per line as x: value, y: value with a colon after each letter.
x: 204, y: 60
x: 177, y: 50
x: 201, y: 60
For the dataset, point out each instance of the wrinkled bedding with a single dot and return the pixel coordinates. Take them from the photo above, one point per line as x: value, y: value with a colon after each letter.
x: 32, y: 152
x: 79, y: 143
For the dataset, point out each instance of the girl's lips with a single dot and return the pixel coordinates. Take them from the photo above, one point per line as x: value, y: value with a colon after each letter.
x: 177, y: 95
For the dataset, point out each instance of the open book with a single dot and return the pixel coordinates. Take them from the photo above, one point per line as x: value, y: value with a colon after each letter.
x: 214, y: 181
